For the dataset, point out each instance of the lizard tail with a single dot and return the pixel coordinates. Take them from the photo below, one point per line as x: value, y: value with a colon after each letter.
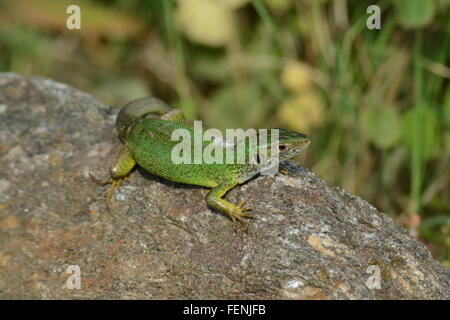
x: 137, y: 109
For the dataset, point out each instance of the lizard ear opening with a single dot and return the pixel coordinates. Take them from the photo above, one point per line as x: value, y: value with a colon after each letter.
x: 282, y: 147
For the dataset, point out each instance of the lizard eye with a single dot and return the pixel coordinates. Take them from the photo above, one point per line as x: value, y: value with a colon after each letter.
x: 281, y: 147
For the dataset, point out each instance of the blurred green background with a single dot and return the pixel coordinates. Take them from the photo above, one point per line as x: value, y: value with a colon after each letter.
x: 375, y: 102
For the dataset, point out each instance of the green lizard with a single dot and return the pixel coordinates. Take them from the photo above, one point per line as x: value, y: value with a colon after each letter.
x: 148, y: 143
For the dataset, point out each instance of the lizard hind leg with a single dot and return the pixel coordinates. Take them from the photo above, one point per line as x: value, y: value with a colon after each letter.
x: 175, y: 115
x: 121, y: 166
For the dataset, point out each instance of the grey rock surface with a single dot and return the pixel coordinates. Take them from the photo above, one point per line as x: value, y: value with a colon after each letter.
x: 160, y: 240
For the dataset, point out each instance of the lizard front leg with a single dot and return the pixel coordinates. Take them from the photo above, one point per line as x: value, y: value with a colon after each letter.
x: 121, y: 166
x: 214, y: 199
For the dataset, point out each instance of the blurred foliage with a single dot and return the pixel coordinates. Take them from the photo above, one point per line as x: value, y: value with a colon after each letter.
x: 376, y: 102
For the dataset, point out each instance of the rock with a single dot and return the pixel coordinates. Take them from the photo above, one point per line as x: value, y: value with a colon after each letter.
x: 159, y: 240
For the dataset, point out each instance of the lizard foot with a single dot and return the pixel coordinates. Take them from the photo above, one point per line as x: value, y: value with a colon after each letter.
x: 115, y: 183
x: 238, y: 214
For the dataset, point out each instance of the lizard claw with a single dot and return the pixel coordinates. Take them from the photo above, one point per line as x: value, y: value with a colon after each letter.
x: 242, y: 214
x: 98, y: 181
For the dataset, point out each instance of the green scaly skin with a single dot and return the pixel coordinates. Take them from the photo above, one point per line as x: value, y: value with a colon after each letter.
x: 147, y: 142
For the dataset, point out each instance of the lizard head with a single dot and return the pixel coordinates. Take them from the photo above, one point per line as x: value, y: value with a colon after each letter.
x: 290, y: 144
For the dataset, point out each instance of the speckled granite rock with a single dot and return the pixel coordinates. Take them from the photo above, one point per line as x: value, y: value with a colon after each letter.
x: 160, y: 240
